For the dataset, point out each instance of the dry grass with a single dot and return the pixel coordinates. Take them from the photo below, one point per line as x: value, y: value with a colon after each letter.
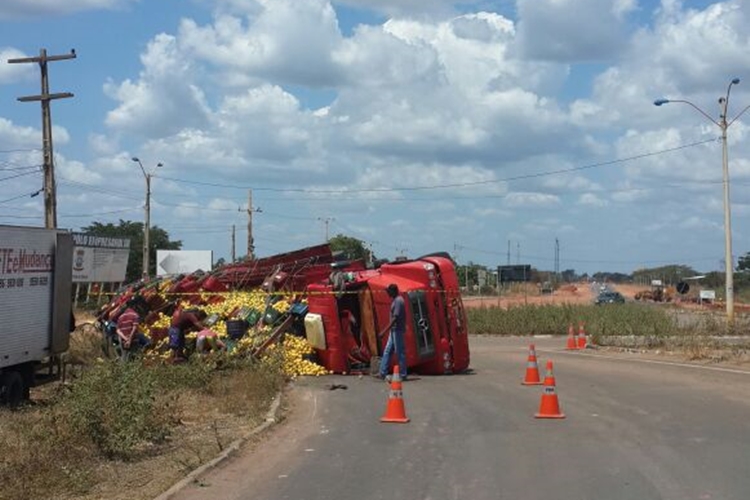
x: 203, y: 406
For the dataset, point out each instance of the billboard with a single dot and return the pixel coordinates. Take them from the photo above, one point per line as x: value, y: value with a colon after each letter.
x: 99, y: 259
x: 170, y: 262
x: 520, y: 272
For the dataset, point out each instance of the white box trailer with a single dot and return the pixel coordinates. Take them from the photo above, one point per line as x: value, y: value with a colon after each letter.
x: 36, y: 268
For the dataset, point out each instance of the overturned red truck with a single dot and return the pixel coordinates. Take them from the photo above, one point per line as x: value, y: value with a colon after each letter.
x: 347, y: 305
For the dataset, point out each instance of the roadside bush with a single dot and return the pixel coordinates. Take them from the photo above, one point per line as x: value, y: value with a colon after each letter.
x: 599, y: 321
x: 115, y: 405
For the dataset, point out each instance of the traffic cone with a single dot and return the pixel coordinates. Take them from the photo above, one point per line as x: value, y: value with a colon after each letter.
x: 395, y: 412
x: 532, y: 369
x: 571, y: 346
x: 581, y: 336
x: 549, y: 406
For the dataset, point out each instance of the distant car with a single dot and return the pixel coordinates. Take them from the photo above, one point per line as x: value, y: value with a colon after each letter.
x: 610, y: 298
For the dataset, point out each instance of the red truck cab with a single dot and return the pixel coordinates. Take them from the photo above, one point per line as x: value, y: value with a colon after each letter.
x: 353, y: 310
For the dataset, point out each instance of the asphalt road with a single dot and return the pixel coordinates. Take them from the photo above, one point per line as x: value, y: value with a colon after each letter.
x: 635, y: 430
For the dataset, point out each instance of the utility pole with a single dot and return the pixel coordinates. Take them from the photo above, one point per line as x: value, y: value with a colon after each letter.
x: 147, y: 225
x: 326, y: 220
x: 234, y: 255
x: 250, y: 241
x: 50, y: 191
x: 518, y: 253
x: 557, y: 258
x: 508, y: 252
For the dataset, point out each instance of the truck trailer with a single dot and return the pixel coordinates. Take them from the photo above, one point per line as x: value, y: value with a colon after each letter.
x: 35, y: 308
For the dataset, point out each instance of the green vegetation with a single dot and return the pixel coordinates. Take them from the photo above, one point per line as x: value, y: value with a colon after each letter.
x: 116, y: 421
x: 352, y: 248
x: 625, y: 319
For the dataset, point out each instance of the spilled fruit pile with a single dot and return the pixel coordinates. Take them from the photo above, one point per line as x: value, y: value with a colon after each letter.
x: 261, y: 313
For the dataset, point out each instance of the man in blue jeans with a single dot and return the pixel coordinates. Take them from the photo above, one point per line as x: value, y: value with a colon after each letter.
x: 397, y: 327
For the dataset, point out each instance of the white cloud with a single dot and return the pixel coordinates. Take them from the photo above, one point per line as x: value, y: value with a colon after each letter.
x: 419, y: 8
x: 572, y: 30
x: 283, y: 40
x: 15, y: 137
x: 531, y: 200
x: 10, y: 73
x: 491, y: 212
x: 164, y: 100
x: 26, y: 8
x: 590, y: 199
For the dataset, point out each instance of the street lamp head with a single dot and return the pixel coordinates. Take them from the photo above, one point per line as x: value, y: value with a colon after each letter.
x: 159, y: 165
x: 135, y: 158
x: 659, y: 102
x: 735, y: 81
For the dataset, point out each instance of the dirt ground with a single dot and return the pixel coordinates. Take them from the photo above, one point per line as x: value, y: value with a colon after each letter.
x: 582, y: 293
x: 569, y: 294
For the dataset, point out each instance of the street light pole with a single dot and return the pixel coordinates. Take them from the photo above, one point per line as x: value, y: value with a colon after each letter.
x: 147, y: 226
x: 723, y: 126
x: 728, y: 261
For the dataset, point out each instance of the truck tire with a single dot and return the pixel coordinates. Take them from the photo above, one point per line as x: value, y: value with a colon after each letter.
x: 13, y: 390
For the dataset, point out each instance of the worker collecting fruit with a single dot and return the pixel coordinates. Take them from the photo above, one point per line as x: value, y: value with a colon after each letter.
x: 397, y: 328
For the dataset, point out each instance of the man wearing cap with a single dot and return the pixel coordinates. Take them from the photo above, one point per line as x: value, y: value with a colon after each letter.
x: 397, y: 328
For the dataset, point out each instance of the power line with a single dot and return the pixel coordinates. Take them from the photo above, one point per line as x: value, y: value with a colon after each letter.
x: 8, y: 151
x: 17, y: 176
x: 30, y: 195
x: 452, y: 185
x: 589, y: 261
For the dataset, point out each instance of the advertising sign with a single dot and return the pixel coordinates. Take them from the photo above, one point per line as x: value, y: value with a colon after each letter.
x: 99, y: 259
x: 521, y: 272
x: 708, y: 294
x: 27, y: 259
x: 170, y: 262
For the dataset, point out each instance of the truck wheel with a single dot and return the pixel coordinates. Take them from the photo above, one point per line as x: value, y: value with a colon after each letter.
x: 12, y: 389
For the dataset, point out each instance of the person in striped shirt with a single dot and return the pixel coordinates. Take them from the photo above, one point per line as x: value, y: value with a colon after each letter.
x: 128, y: 329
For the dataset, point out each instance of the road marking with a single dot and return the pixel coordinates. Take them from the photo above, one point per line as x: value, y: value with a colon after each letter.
x: 653, y: 362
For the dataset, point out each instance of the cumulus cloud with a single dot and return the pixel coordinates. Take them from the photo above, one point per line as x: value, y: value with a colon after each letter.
x: 592, y: 200
x: 285, y: 41
x: 531, y: 200
x: 16, y: 137
x: 418, y: 8
x: 10, y: 73
x: 165, y: 99
x: 572, y: 30
x: 26, y: 8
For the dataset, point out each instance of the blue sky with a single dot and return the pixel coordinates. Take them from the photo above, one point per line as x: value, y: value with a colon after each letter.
x: 417, y: 125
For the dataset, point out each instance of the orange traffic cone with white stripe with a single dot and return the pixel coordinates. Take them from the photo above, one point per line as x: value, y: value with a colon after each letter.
x: 532, y: 369
x: 395, y: 412
x: 581, y: 336
x: 571, y: 346
x: 549, y: 406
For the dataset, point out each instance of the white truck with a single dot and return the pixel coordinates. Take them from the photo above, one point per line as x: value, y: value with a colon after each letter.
x: 36, y: 314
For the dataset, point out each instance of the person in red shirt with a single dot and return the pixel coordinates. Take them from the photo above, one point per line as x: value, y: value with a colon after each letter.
x: 128, y: 331
x: 183, y: 321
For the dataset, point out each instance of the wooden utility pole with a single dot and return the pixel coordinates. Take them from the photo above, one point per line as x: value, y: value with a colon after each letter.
x: 250, y: 241
x: 234, y: 255
x: 50, y: 191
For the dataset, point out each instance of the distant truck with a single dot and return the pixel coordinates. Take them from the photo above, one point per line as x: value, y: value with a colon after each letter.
x: 36, y: 308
